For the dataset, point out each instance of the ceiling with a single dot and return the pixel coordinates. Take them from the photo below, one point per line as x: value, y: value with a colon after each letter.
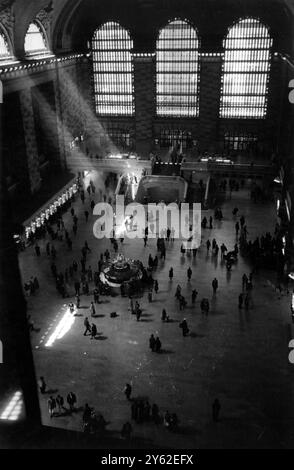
x: 73, y: 20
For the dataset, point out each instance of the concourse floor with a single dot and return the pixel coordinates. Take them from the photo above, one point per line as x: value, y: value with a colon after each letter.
x: 237, y: 356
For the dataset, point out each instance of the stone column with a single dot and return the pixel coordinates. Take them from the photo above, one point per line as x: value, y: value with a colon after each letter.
x: 30, y: 139
x: 145, y: 106
x: 17, y: 372
x: 209, y: 105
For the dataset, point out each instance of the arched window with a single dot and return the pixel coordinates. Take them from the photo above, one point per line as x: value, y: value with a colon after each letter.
x: 113, y: 70
x: 246, y: 70
x: 4, y: 47
x: 35, y: 40
x: 177, y: 72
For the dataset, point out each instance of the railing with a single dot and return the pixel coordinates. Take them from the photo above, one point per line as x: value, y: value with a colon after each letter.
x: 231, y: 168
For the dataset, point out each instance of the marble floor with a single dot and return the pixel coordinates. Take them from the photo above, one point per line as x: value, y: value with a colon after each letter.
x: 237, y: 356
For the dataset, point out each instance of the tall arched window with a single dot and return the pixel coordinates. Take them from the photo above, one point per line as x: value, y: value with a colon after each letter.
x: 177, y: 70
x: 246, y: 70
x: 113, y: 70
x: 5, y: 51
x: 35, y: 40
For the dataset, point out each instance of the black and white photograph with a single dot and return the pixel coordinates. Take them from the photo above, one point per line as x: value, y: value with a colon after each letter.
x: 146, y: 227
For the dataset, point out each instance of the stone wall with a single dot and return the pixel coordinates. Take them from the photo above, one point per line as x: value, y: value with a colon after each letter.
x: 145, y: 88
x: 30, y: 139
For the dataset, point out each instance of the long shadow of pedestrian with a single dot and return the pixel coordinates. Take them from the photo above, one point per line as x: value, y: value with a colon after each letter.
x: 51, y: 391
x: 65, y: 412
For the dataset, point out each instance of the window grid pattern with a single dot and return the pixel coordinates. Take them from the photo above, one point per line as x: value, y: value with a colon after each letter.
x: 177, y: 70
x: 173, y: 137
x: 35, y: 41
x: 246, y: 71
x: 4, y: 47
x: 113, y: 70
x: 240, y: 141
x: 120, y: 137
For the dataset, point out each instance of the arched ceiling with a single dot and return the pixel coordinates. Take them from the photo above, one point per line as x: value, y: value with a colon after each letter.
x: 73, y: 21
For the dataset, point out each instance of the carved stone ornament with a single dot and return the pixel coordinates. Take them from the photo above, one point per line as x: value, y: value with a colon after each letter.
x: 7, y: 19
x: 45, y: 17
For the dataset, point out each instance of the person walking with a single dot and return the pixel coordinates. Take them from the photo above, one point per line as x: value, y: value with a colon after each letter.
x: 214, y: 285
x: 194, y: 296
x: 42, y: 385
x: 178, y: 291
x: 164, y: 316
x: 96, y: 295
x: 223, y: 250
x: 92, y: 309
x: 138, y: 313
x: 184, y: 326
x: 128, y: 391
x: 152, y: 343
x: 237, y: 228
x: 51, y: 406
x: 71, y: 307
x: 157, y: 345
x: 71, y: 400
x: 87, y: 326
x: 60, y: 403
x: 93, y: 331
x: 189, y: 273
x: 171, y: 274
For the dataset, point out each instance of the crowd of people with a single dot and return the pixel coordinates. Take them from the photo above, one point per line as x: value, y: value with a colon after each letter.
x: 79, y: 278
